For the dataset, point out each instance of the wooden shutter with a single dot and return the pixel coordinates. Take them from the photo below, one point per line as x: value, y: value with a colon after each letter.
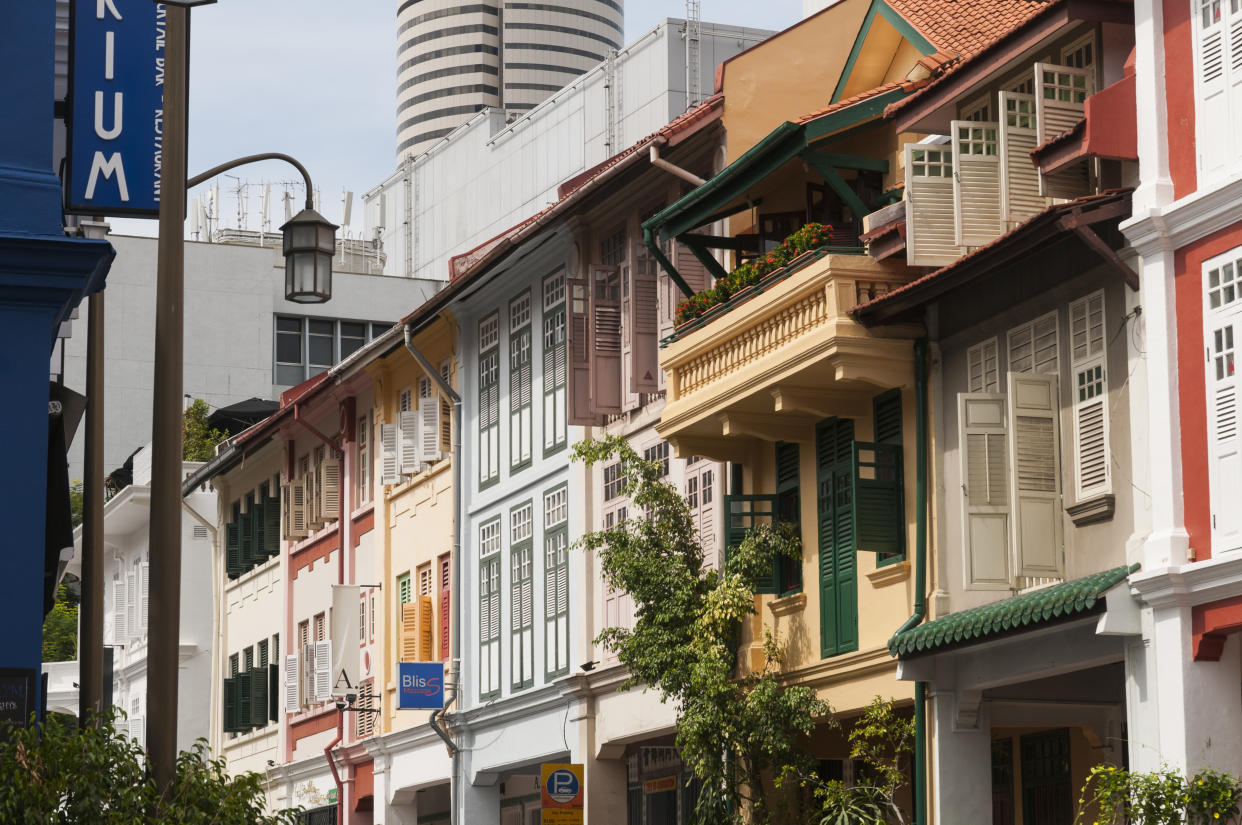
x: 644, y: 325
x: 578, y: 331
x: 426, y: 629
x: 838, y: 568
x: 245, y: 700
x: 690, y: 268
x: 1215, y: 132
x: 310, y: 498
x: 144, y: 594
x: 323, y: 670
x: 985, y: 488
x: 445, y: 598
x: 410, y: 442
x: 409, y: 632
x: 930, y: 233
x: 1089, y: 391
x: 330, y: 489
x: 232, y: 549
x: 1035, y: 473
x: 1224, y: 450
x: 286, y: 506
x: 879, y: 510
x: 292, y: 684
x: 429, y: 429
x: 976, y: 182
x: 271, y: 526
x: 446, y: 413
x: 131, y: 605
x: 247, y: 539
x: 258, y: 549
x: 258, y: 696
x: 230, y: 705
x: 605, y: 341
x: 389, y: 467
x: 297, y: 510
x: 1019, y: 181
x: 120, y: 627
x: 1060, y: 95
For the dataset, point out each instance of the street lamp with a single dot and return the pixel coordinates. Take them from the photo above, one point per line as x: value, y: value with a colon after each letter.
x: 309, y: 244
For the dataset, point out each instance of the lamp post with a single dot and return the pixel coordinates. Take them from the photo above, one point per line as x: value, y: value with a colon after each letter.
x: 164, y: 631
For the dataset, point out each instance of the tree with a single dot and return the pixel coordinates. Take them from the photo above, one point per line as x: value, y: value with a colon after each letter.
x: 59, y: 773
x: 734, y: 731
x: 60, y: 628
x: 75, y: 502
x: 199, y: 438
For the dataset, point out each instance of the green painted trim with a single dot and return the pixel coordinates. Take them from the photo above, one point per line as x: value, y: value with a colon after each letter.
x: 855, y: 50
x: 836, y: 183
x: 693, y: 239
x: 856, y: 162
x: 902, y: 25
x: 665, y: 263
x: 852, y: 115
x: 709, y: 263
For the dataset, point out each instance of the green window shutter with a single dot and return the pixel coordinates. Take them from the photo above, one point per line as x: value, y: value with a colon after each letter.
x: 247, y: 538
x: 787, y: 572
x: 846, y: 556
x: 879, y: 513
x: 232, y: 549
x: 273, y: 692
x: 230, y: 705
x: 742, y: 512
x: 271, y: 526
x: 838, y: 568
x: 827, y: 567
x: 259, y: 700
x: 887, y: 410
x: 258, y: 531
x: 244, y: 693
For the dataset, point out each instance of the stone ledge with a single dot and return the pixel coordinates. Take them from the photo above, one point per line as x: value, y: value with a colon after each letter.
x: 1093, y: 510
x: 788, y: 605
x: 890, y: 574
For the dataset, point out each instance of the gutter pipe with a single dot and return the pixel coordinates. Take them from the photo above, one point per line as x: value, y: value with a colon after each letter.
x: 661, y: 163
x: 455, y: 589
x: 336, y: 776
x: 920, y: 575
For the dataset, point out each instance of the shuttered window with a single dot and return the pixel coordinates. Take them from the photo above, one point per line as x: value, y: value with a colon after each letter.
x: 520, y: 405
x: 1035, y: 475
x: 930, y: 228
x: 1089, y: 385
x: 554, y: 366
x: 786, y: 571
x: 605, y: 340
x: 838, y: 567
x: 1020, y: 197
x: 556, y: 581
x: 1033, y: 346
x: 701, y: 498
x: 489, y: 608
x: 982, y: 367
x: 363, y: 446
x: 521, y: 596
x: 445, y: 585
x: 642, y: 319
x: 1060, y: 95
x: 976, y: 184
x: 1223, y: 330
x: 1218, y: 84
x: 489, y: 401
x: 984, y: 447
x: 879, y: 484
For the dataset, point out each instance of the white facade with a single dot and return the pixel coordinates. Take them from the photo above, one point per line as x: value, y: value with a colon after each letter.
x: 126, y: 594
x: 233, y: 295
x: 499, y: 169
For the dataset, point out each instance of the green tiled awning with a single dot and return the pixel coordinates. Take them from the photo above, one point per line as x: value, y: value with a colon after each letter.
x: 1060, y: 601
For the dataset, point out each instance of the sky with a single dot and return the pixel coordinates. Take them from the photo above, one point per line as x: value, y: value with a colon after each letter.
x: 315, y: 79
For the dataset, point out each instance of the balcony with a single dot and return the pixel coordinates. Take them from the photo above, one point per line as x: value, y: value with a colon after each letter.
x: 784, y: 354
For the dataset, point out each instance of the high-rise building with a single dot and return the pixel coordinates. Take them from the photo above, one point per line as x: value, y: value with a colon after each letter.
x: 454, y: 60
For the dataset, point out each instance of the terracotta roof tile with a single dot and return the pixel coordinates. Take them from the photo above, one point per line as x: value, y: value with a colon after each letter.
x: 859, y: 98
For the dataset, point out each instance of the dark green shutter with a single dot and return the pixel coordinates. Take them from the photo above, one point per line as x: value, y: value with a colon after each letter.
x: 838, y: 568
x: 271, y: 526
x: 273, y: 692
x: 244, y: 692
x: 887, y: 410
x: 741, y: 514
x: 258, y: 696
x: 230, y: 705
x: 879, y: 513
x: 787, y: 572
x: 232, y: 549
x: 827, y: 561
x: 258, y: 526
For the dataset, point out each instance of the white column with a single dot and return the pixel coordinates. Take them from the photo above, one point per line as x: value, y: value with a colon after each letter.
x: 961, y: 763
x: 1155, y: 186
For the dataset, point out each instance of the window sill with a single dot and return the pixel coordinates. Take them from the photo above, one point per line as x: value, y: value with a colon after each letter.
x: 1093, y: 510
x: 890, y: 574
x: 788, y: 605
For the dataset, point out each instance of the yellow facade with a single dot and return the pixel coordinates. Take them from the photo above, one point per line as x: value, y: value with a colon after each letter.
x: 413, y: 521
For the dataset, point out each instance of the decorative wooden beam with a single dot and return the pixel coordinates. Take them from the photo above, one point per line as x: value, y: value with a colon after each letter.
x: 717, y: 448
x: 834, y: 180
x: 709, y: 263
x: 820, y: 403
x: 1086, y: 234
x: 786, y: 427
x: 862, y: 164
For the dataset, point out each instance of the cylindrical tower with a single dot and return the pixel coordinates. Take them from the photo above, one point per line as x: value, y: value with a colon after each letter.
x: 455, y: 58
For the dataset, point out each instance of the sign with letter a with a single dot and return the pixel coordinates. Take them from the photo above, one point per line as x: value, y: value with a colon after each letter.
x: 420, y: 685
x: 562, y: 792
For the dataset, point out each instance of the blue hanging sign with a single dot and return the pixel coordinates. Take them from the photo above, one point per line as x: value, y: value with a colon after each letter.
x: 115, y: 107
x: 420, y: 685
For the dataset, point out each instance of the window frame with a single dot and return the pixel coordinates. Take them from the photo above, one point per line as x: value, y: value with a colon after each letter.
x: 521, y: 412
x: 490, y: 586
x: 522, y: 616
x: 555, y: 381
x: 556, y: 562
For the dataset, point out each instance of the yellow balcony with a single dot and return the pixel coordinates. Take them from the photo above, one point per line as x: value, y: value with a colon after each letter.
x: 775, y: 360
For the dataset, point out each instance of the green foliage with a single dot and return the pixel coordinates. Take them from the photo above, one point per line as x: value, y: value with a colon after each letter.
x: 75, y: 501
x: 883, y: 742
x: 58, y: 773
x: 199, y: 439
x: 60, y: 628
x: 733, y: 731
x: 1163, y: 797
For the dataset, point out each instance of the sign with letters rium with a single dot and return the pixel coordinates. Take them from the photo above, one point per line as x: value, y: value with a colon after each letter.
x: 420, y: 685
x: 115, y: 107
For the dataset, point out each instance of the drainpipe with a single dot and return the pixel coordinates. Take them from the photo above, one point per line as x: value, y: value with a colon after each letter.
x: 920, y: 574
x: 661, y: 163
x: 455, y: 587
x: 336, y: 776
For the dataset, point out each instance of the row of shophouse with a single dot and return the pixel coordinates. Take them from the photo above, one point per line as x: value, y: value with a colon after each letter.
x: 1000, y: 402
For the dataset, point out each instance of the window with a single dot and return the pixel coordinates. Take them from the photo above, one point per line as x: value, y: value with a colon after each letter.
x: 404, y: 400
x: 931, y: 163
x: 446, y: 411
x: 250, y: 537
x: 977, y: 110
x: 521, y: 597
x: 1090, y: 395
x: 303, y: 634
x: 520, y: 406
x: 1218, y: 72
x: 838, y: 554
x: 981, y: 363
x: 614, y: 481
x: 364, y: 470
x: 1222, y: 328
x: 700, y: 496
x: 489, y: 401
x: 787, y: 572
x: 424, y: 579
x: 262, y: 649
x: 554, y: 368
x: 659, y: 452
x: 612, y: 248
x: 321, y: 627
x: 404, y: 594
x: 489, y: 609
x: 1080, y: 54
x: 1033, y: 346
x: 556, y: 581
x: 362, y: 620
x: 306, y: 347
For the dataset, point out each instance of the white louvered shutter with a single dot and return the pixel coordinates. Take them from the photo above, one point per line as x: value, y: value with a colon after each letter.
x: 389, y: 467
x: 1223, y: 328
x: 297, y: 510
x: 976, y: 182
x: 1035, y: 474
x: 131, y: 605
x: 985, y: 477
x: 144, y: 590
x: 429, y: 429
x: 644, y: 325
x: 286, y: 526
x: 323, y: 670
x: 329, y: 489
x: 310, y: 497
x: 293, y: 698
x: 446, y: 413
x: 307, y: 675
x: 138, y: 730
x: 1019, y: 184
x: 1090, y: 396
x: 1060, y: 95
x: 929, y: 205
x: 120, y: 614
x: 409, y: 442
x: 1212, y: 82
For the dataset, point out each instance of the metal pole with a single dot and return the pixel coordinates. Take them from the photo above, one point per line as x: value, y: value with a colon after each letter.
x: 90, y: 642
x: 165, y: 538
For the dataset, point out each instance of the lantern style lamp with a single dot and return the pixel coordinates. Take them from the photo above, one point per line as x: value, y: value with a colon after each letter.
x: 309, y: 244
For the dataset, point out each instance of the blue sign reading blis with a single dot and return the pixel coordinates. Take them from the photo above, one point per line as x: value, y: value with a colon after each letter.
x: 116, y: 107
x: 420, y: 685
